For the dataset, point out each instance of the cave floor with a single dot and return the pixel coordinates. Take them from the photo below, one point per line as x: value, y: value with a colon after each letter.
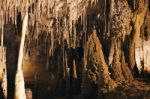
x: 125, y: 90
x: 136, y: 89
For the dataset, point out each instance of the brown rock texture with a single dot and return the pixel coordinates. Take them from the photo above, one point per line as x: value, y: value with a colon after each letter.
x: 96, y: 65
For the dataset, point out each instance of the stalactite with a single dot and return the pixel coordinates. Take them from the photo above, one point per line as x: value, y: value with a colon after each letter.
x: 6, y: 17
x: 63, y: 57
x: 52, y: 42
x: 37, y: 33
x: 41, y: 7
x: 2, y: 27
x: 12, y: 19
x: 111, y: 13
x: 15, y: 13
x: 37, y: 10
x: 48, y: 8
x: 84, y: 20
x: 105, y: 16
x: 47, y: 59
x: 74, y: 36
x: 9, y: 16
x: 70, y: 31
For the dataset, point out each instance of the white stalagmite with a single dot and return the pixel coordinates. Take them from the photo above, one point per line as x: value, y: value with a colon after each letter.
x: 111, y: 53
x: 3, y: 62
x: 19, y: 79
x: 4, y: 83
x: 146, y: 55
x: 74, y: 70
x: 138, y: 56
x: 142, y: 51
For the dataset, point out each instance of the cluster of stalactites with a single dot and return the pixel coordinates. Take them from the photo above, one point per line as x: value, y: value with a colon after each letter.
x: 46, y: 8
x: 59, y: 17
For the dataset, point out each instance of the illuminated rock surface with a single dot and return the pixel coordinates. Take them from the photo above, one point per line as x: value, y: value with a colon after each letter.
x: 82, y: 49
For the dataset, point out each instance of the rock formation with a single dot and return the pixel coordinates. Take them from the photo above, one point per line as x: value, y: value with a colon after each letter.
x: 74, y: 48
x: 19, y: 79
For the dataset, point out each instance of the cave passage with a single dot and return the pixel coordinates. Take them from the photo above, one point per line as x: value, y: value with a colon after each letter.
x: 74, y: 49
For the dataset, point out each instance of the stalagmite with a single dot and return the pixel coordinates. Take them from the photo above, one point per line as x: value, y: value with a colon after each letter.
x: 74, y: 70
x: 138, y: 21
x: 67, y: 72
x: 29, y: 93
x: 4, y: 82
x: 19, y: 79
x: 146, y: 56
x: 97, y: 66
x: 116, y: 66
x: 138, y: 56
x: 3, y: 61
x: 52, y: 42
x: 125, y: 69
x: 111, y: 53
